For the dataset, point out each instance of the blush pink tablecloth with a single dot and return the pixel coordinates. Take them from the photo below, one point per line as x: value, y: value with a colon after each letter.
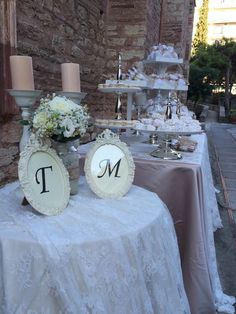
x: 179, y: 186
x: 186, y: 187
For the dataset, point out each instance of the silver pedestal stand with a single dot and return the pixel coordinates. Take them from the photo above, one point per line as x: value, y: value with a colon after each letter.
x: 25, y: 99
x: 138, y: 132
x: 118, y: 108
x: 165, y: 151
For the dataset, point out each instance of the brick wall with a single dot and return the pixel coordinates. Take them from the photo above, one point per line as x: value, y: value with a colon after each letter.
x: 188, y: 38
x: 132, y: 28
x: 176, y: 26
x: 10, y: 131
x: 172, y: 23
x: 91, y: 33
x: 54, y: 32
x: 153, y: 20
x: 125, y: 34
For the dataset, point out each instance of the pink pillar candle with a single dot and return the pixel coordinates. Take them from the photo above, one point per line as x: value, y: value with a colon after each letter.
x: 70, y: 77
x: 22, y: 72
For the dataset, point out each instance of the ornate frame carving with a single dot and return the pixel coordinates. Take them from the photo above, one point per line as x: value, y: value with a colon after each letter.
x: 109, y: 138
x: 36, y: 146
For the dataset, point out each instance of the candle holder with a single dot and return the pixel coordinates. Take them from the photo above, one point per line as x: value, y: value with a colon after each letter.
x: 168, y: 113
x: 140, y: 99
x: 165, y: 151
x: 119, y: 69
x: 138, y: 132
x: 118, y: 109
x: 178, y: 109
x: 25, y: 99
x: 77, y: 97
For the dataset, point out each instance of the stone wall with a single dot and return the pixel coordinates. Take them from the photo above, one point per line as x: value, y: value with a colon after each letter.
x: 54, y: 32
x: 176, y: 27
x: 91, y: 33
x: 172, y: 23
x: 188, y: 38
x: 132, y: 28
x: 126, y: 35
x: 10, y: 131
x: 153, y: 21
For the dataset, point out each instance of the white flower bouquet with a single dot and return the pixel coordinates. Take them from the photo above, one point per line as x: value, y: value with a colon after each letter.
x: 60, y: 119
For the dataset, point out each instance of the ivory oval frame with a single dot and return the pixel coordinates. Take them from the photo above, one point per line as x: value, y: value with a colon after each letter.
x: 109, y: 138
x: 26, y: 183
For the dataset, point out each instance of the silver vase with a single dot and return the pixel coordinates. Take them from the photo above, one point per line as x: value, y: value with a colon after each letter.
x: 68, y: 152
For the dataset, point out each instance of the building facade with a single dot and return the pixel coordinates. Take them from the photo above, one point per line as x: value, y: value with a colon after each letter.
x: 221, y: 19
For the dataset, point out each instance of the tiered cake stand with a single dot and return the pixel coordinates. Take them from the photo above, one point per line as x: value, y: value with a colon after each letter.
x: 119, y: 90
x: 163, y: 63
x: 160, y: 65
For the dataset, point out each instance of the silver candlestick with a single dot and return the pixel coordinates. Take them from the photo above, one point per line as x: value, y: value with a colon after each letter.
x: 118, y: 109
x: 178, y: 109
x: 76, y: 97
x: 140, y: 101
x: 25, y: 99
x: 119, y: 69
x: 168, y: 113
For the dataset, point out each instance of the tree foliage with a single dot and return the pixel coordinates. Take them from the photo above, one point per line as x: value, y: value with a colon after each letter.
x: 212, y: 67
x: 200, y: 37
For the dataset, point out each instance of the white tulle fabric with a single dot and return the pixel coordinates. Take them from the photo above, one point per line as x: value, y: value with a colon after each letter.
x: 98, y: 256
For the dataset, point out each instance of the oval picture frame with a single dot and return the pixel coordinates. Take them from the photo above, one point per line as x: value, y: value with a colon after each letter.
x: 109, y: 166
x: 44, y: 179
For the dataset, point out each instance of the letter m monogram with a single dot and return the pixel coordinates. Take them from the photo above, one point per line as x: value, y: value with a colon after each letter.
x: 109, y: 169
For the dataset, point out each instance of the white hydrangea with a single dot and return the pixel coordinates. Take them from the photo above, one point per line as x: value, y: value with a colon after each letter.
x: 40, y: 119
x: 69, y: 127
x: 60, y: 118
x: 62, y: 105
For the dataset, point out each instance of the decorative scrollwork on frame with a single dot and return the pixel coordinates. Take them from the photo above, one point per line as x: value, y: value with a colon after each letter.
x: 36, y: 160
x: 109, y: 166
x: 107, y: 135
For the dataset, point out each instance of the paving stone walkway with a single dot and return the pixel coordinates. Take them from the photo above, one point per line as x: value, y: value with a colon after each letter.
x: 223, y: 137
x: 222, y: 151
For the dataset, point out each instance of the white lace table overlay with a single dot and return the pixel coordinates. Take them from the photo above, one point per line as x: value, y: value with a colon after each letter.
x: 205, y: 203
x: 211, y: 218
x: 98, y: 256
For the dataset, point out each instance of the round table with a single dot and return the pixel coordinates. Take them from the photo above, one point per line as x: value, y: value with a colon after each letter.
x: 98, y: 256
